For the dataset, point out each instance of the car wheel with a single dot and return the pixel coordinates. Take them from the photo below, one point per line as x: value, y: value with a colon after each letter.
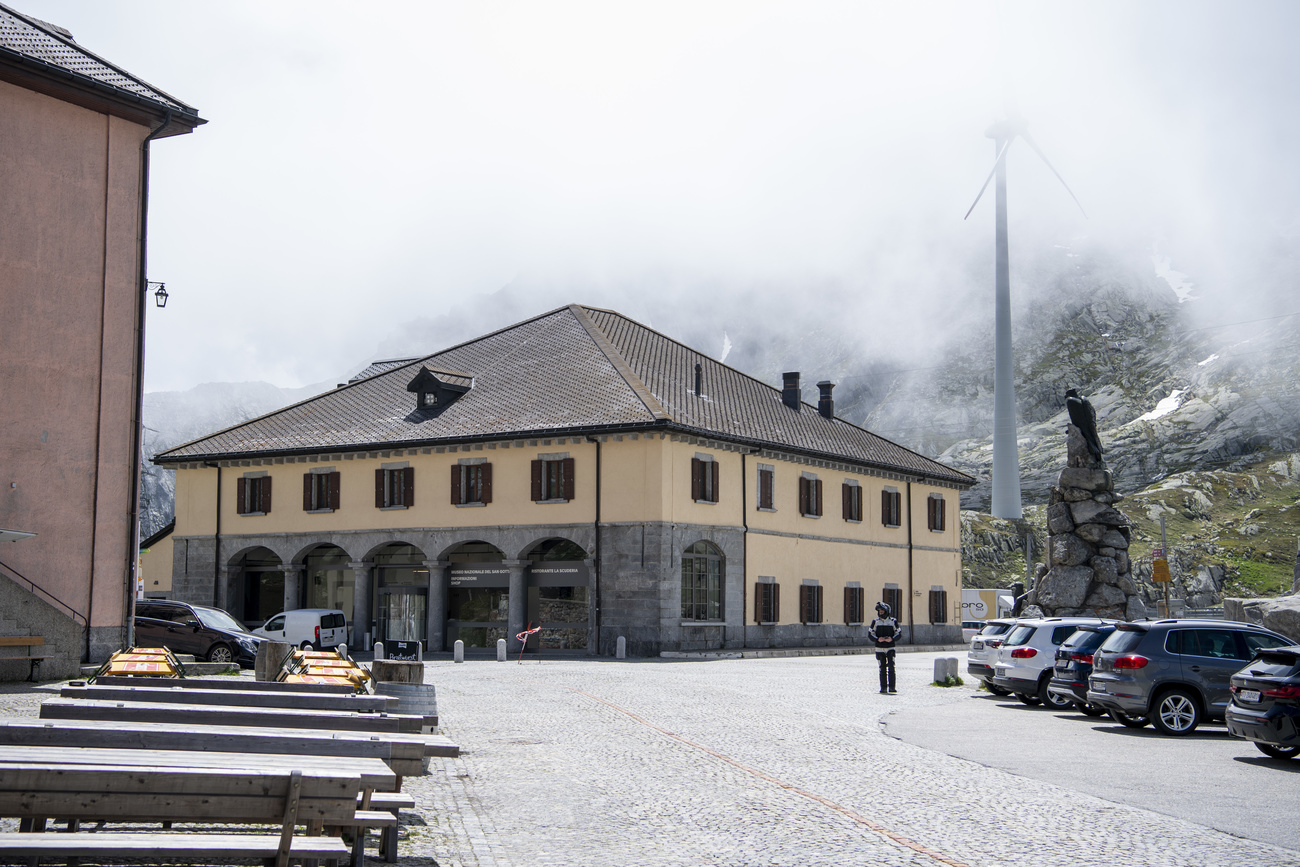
x: 307, y: 645
x: 995, y: 689
x: 1031, y: 700
x: 1128, y: 720
x: 1176, y: 713
x: 220, y: 653
x: 1088, y: 709
x: 1055, y: 702
x: 1278, y: 752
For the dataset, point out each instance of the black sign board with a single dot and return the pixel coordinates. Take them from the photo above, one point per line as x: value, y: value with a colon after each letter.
x: 403, y: 651
x: 559, y: 573
x: 480, y: 575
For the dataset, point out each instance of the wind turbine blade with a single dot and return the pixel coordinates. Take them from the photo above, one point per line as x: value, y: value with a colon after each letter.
x: 1002, y: 153
x: 1030, y: 141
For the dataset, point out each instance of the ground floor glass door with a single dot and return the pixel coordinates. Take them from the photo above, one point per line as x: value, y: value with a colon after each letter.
x: 402, y: 614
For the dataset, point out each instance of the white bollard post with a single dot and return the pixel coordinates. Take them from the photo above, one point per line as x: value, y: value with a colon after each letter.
x: 940, y: 669
x: 501, y: 650
x: 621, y: 651
x: 379, y: 650
x: 950, y: 667
x: 458, y: 651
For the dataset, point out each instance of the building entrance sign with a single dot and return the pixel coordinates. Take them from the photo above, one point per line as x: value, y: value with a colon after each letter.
x: 479, y: 575
x: 560, y: 573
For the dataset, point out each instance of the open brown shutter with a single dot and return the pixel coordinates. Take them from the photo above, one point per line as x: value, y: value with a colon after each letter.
x: 457, y: 498
x: 335, y: 485
x: 884, y: 507
x: 848, y: 604
x: 803, y: 496
x: 408, y: 486
x: 697, y: 479
x: 776, y: 603
x: 817, y: 498
x: 379, y: 489
x: 803, y: 603
x: 264, y: 501
x: 940, y: 506
x: 306, y: 492
x: 537, y: 481
x: 846, y: 501
x: 713, y: 485
x: 568, y: 478
x: 486, y: 485
x: 241, y: 495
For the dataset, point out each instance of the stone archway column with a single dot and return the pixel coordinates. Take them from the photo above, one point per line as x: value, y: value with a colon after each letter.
x: 518, y: 606
x: 439, y: 593
x: 222, y: 584
x: 362, y: 591
x: 292, y: 585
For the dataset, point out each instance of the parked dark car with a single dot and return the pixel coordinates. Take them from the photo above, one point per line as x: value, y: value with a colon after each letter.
x: 1174, y: 673
x: 207, y: 633
x: 1074, y: 664
x: 1265, y: 706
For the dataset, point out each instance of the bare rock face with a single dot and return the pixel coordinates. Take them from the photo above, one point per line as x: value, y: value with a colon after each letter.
x: 1088, y: 570
x: 1280, y: 615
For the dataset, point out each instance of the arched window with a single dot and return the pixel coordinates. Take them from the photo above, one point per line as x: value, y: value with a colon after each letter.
x: 703, y: 567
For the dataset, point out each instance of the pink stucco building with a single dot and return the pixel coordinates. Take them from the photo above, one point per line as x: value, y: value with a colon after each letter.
x: 75, y: 134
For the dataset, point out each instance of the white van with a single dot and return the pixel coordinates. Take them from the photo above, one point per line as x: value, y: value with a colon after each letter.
x: 319, y: 628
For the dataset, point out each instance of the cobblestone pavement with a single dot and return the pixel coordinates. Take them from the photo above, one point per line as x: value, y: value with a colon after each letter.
x: 739, y: 763
x: 748, y: 762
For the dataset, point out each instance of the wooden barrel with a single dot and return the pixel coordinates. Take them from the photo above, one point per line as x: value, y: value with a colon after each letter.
x: 412, y: 698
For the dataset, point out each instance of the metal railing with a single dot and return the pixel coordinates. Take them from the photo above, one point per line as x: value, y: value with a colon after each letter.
x: 18, y: 577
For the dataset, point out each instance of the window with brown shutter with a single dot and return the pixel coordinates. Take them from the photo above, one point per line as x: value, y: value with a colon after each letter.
x: 854, y: 600
x: 241, y: 496
x: 320, y: 491
x: 938, y: 606
x: 810, y: 603
x: 766, y: 483
x: 935, y: 513
x: 852, y: 502
x: 891, y: 508
x: 704, y: 480
x: 893, y: 597
x: 553, y: 480
x: 810, y: 497
x: 253, y: 495
x: 471, y: 484
x: 395, y: 488
x: 767, y: 603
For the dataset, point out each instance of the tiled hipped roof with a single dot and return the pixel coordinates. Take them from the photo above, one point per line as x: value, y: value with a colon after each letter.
x: 575, y: 369
x: 50, y: 51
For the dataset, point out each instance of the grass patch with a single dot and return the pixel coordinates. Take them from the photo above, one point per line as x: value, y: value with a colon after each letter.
x: 1262, y: 579
x: 951, y: 681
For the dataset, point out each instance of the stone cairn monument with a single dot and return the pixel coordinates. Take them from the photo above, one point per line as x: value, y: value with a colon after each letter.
x: 1088, y: 571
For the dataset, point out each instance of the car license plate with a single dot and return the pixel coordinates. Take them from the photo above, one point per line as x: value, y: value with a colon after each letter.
x: 1099, y: 687
x: 1250, y: 695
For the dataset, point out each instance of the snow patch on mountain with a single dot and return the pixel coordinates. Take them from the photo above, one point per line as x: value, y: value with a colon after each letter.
x: 1165, y: 406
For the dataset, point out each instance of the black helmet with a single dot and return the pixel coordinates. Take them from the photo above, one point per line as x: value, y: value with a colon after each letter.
x: 883, y: 606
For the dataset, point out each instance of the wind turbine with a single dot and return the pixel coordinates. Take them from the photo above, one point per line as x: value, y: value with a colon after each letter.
x: 1006, y: 454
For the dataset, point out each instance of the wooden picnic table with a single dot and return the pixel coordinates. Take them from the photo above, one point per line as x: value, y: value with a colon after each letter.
x: 352, y: 702
x: 240, y: 715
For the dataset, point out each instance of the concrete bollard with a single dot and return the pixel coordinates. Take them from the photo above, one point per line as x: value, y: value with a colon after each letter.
x: 945, y: 667
x: 621, y: 652
x: 379, y: 650
x: 501, y: 650
x: 458, y: 651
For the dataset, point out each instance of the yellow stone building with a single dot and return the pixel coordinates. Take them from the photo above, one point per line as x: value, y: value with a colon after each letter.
x: 577, y: 472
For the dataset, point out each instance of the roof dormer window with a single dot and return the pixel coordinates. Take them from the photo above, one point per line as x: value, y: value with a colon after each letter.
x: 438, y: 388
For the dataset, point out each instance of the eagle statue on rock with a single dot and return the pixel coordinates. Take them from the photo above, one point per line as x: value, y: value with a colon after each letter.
x: 1084, y: 417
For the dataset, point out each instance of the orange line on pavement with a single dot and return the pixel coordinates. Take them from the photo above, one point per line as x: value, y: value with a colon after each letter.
x: 844, y: 811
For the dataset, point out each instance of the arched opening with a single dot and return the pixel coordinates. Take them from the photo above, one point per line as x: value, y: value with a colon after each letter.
x: 559, y: 594
x: 402, y: 585
x: 703, y: 572
x: 257, y: 576
x: 327, y: 580
x: 479, y: 599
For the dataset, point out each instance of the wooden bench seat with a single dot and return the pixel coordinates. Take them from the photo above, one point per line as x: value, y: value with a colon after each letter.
x: 27, y: 641
x: 292, y: 700
x: 241, y: 715
x: 223, y: 682
x: 167, y: 848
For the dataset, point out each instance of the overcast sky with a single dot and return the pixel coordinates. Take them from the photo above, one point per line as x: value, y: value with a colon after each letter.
x: 369, y: 167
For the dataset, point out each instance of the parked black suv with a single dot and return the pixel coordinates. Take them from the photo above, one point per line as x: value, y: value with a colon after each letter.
x: 1074, y: 665
x: 1175, y: 673
x: 1265, y: 704
x: 207, y: 633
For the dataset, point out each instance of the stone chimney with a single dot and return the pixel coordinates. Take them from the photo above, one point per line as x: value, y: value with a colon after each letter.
x: 826, y: 403
x: 790, y: 390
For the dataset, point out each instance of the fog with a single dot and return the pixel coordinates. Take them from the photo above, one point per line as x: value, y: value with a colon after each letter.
x: 385, y: 179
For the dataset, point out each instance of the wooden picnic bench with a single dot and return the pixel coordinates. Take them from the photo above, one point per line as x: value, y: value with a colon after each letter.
x: 234, y: 715
x: 28, y: 642
x: 160, y: 692
x: 36, y: 792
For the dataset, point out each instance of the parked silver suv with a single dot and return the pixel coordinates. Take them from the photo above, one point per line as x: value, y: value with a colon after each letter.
x: 1175, y: 673
x: 1025, y: 659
